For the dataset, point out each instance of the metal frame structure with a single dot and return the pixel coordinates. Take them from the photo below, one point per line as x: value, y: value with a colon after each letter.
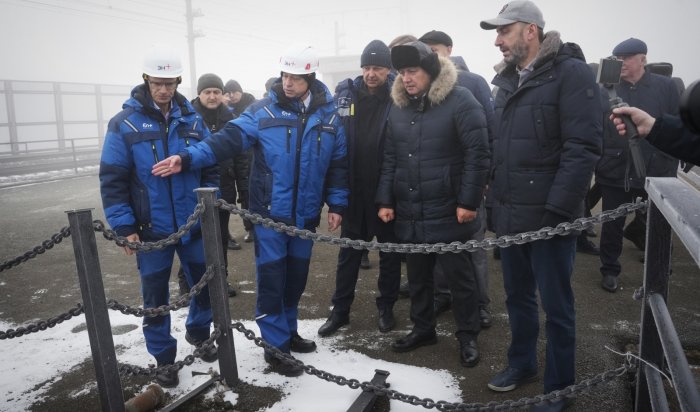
x: 674, y: 205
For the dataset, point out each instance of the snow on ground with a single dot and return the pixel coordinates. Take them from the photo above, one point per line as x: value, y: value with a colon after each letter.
x: 31, y: 178
x: 39, y: 357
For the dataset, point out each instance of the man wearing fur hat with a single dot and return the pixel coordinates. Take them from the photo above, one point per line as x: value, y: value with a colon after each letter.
x: 547, y: 141
x: 432, y: 181
x: 363, y: 104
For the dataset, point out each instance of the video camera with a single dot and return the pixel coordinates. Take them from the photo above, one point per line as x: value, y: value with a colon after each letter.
x: 608, y: 75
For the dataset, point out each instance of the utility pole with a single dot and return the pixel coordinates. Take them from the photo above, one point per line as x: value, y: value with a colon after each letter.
x: 191, y: 35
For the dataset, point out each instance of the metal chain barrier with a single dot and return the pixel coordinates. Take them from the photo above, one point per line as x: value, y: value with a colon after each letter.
x: 42, y: 325
x: 428, y: 403
x: 131, y: 370
x: 181, y: 302
x: 43, y: 247
x: 455, y: 247
x: 109, y: 234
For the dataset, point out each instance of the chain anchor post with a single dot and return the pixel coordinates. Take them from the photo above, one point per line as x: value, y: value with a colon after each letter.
x: 218, y: 290
x: 96, y: 315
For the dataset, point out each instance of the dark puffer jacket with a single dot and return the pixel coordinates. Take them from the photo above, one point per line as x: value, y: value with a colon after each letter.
x: 435, y: 159
x: 547, y: 139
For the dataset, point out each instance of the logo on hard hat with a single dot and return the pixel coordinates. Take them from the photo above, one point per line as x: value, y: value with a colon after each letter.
x: 166, y: 67
x: 308, y: 66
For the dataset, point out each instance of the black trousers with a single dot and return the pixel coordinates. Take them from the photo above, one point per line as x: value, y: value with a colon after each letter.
x: 611, y: 233
x: 459, y: 271
x: 349, y: 266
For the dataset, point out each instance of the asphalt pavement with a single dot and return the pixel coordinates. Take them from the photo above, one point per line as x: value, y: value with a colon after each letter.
x: 33, y: 213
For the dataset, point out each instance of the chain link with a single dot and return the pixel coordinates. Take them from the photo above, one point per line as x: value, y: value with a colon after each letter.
x: 42, y: 325
x: 37, y: 250
x: 455, y: 247
x: 173, y: 239
x: 180, y: 302
x: 152, y: 370
x: 428, y: 403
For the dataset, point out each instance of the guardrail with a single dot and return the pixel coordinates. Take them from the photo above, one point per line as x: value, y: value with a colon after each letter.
x: 674, y: 207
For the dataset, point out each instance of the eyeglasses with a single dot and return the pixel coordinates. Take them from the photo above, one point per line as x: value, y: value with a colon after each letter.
x: 158, y: 85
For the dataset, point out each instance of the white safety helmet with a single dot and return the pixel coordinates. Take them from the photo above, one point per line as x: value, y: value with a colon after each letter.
x: 162, y: 61
x: 299, y: 59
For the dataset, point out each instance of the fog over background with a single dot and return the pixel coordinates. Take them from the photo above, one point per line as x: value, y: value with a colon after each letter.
x: 103, y: 41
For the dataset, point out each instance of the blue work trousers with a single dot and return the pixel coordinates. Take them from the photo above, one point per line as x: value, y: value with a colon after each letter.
x: 543, y: 266
x: 282, y: 264
x: 155, y: 267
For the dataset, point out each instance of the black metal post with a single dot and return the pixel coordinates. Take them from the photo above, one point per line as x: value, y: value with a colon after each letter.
x: 683, y: 380
x: 657, y: 395
x: 218, y: 293
x: 365, y: 402
x: 656, y: 276
x: 96, y: 316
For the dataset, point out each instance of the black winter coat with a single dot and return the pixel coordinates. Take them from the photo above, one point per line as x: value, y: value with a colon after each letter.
x: 547, y: 139
x: 435, y: 159
x: 656, y: 95
x: 348, y: 98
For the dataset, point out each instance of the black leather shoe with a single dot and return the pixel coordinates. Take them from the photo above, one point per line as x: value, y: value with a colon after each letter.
x: 468, y: 353
x: 364, y: 262
x: 283, y: 368
x: 441, y: 305
x: 485, y: 317
x: 233, y: 245
x: 386, y: 320
x: 334, y: 322
x: 301, y: 345
x: 167, y: 378
x: 609, y: 283
x: 249, y: 236
x: 413, y: 340
x: 583, y: 245
x: 404, y: 290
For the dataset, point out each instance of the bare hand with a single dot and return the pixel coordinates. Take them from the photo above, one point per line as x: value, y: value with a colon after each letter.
x: 131, y: 238
x: 386, y: 214
x: 640, y: 118
x: 167, y: 167
x: 334, y: 221
x: 465, y: 215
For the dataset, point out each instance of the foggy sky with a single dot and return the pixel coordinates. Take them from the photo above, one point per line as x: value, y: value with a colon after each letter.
x: 103, y: 41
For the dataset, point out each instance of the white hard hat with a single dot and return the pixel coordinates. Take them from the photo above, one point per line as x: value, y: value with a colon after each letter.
x: 299, y: 59
x: 162, y: 61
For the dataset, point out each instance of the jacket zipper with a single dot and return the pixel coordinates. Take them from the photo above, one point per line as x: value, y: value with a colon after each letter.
x: 297, y: 167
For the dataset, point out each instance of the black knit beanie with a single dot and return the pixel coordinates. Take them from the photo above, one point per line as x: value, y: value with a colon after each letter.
x: 209, y: 80
x: 376, y: 54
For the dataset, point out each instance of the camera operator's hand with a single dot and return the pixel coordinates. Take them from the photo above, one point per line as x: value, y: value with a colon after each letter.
x: 640, y: 118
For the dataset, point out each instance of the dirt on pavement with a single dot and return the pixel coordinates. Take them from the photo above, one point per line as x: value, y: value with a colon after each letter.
x: 47, y: 285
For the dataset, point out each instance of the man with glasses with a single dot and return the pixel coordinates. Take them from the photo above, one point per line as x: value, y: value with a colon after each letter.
x: 155, y: 122
x: 298, y: 142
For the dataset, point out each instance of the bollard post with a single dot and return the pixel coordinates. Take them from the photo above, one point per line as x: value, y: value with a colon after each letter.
x: 218, y: 293
x: 96, y: 316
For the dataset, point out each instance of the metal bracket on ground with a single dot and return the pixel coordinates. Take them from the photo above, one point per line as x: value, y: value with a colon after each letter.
x: 365, y: 402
